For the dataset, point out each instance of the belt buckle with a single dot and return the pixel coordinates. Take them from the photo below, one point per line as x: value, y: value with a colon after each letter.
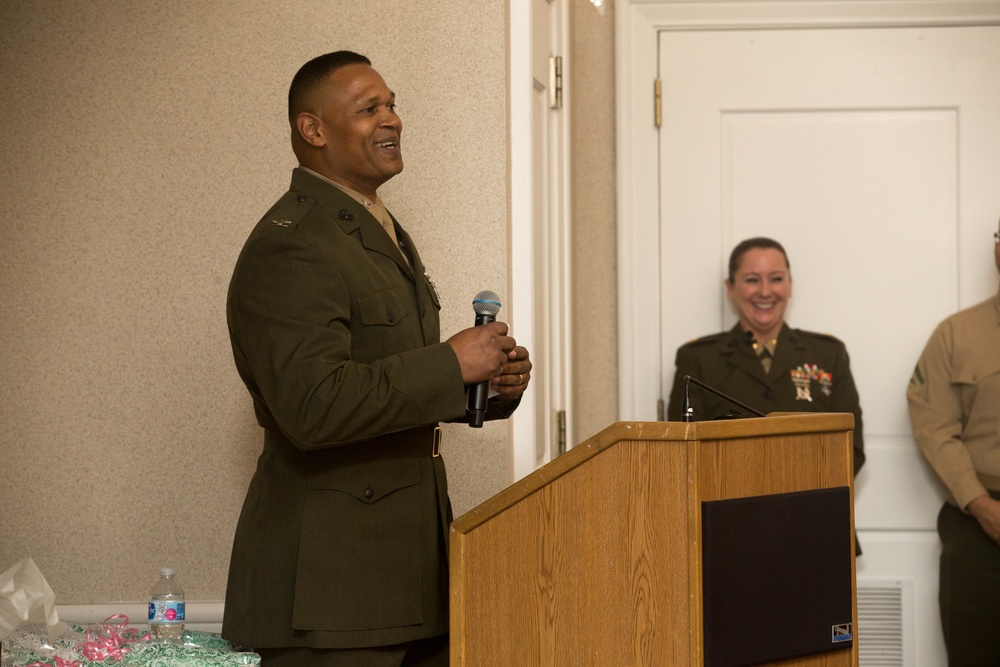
x: 436, y: 446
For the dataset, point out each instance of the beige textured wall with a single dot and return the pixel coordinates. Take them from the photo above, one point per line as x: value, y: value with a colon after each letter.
x: 140, y: 142
x: 595, y: 284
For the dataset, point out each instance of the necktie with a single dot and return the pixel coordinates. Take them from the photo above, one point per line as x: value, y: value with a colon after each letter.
x: 382, y: 215
x: 765, y: 359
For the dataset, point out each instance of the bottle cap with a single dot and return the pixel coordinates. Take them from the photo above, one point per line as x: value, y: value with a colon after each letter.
x: 167, y: 571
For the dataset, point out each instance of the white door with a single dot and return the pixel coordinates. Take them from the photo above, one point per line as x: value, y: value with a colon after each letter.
x: 873, y: 155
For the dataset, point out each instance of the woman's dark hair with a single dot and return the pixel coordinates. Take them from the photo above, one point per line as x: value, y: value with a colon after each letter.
x: 758, y: 242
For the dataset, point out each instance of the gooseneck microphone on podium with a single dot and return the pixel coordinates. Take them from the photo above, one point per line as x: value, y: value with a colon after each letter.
x: 688, y: 411
x: 487, y: 305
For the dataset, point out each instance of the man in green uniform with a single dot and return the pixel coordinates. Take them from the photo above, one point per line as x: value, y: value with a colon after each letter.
x: 761, y: 361
x: 340, y: 554
x: 954, y: 401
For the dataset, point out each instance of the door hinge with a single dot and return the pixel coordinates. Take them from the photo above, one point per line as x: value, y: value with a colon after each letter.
x: 561, y: 430
x: 657, y: 103
x: 555, y: 82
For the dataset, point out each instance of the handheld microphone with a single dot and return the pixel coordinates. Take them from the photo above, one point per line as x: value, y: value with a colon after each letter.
x: 487, y: 305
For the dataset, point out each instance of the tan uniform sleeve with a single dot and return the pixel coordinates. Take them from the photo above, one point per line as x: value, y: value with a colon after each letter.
x: 936, y: 417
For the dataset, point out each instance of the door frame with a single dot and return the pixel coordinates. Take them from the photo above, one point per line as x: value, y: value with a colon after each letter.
x: 637, y: 27
x: 541, y: 303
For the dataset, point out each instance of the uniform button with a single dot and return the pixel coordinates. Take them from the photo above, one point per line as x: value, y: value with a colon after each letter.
x: 302, y: 198
x: 390, y: 318
x: 769, y: 395
x: 369, y: 493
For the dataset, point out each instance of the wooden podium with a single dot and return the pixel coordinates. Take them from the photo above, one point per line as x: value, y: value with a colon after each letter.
x: 597, y: 557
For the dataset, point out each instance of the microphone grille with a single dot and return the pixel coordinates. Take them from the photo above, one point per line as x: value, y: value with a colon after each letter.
x: 486, y: 303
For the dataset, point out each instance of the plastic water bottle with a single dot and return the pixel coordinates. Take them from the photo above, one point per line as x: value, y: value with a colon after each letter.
x: 166, y: 608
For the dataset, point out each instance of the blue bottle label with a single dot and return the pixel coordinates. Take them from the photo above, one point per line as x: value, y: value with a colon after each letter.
x: 166, y: 611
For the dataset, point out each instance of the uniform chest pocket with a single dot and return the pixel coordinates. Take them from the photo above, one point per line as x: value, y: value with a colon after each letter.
x: 976, y: 371
x: 386, y: 308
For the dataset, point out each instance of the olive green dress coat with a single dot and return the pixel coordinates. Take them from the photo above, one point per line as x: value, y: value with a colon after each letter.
x: 342, y: 540
x: 810, y: 372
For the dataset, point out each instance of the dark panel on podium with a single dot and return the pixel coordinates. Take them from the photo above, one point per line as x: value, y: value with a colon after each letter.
x: 777, y: 576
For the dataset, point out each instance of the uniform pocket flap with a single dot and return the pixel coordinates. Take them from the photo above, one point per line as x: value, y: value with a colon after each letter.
x: 368, y: 481
x: 385, y: 308
x: 975, y: 370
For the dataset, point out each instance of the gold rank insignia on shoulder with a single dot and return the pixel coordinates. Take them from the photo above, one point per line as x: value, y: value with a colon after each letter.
x: 281, y: 222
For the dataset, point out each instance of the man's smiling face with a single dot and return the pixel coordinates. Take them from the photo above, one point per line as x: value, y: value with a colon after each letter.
x: 361, y: 128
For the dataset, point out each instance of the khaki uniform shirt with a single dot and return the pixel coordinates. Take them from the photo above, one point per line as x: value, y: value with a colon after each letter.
x: 954, y: 401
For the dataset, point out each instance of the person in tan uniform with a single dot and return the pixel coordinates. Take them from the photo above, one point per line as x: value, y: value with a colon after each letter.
x: 954, y: 405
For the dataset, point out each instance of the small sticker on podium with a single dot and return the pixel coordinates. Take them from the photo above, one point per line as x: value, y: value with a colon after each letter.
x: 842, y: 633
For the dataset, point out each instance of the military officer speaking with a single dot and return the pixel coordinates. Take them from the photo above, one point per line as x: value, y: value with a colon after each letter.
x: 340, y: 553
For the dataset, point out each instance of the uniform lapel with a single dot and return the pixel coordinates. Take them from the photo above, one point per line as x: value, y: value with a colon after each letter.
x: 741, y: 355
x: 351, y: 216
x: 787, y: 353
x: 417, y: 275
x: 375, y: 238
x: 410, y: 269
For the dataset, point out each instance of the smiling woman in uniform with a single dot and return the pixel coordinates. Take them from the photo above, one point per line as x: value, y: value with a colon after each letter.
x: 762, y: 361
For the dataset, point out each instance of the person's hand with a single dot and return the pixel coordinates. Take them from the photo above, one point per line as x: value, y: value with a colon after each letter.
x: 987, y: 513
x: 482, y: 351
x: 514, y: 375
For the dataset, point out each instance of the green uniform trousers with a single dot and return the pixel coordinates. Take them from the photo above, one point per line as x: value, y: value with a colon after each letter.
x: 969, y: 595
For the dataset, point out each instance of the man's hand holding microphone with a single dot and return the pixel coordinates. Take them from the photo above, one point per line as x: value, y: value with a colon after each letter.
x: 488, y: 357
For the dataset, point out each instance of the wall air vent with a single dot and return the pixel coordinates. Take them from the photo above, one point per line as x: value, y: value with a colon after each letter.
x: 885, y: 623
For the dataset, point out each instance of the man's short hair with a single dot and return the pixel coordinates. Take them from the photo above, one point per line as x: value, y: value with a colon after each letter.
x: 313, y: 73
x: 756, y: 243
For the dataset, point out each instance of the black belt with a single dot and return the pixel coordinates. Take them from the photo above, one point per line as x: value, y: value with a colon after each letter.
x: 410, y: 444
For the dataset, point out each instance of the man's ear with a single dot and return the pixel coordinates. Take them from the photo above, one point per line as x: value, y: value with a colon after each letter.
x: 310, y: 128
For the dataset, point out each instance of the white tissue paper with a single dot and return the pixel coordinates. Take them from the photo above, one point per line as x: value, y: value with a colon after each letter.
x: 25, y: 597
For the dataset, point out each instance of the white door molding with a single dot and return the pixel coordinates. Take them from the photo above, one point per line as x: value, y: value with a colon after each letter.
x: 637, y: 25
x: 539, y: 251
x: 522, y: 250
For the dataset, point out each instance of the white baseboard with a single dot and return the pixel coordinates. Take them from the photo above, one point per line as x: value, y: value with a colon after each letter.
x: 203, y: 616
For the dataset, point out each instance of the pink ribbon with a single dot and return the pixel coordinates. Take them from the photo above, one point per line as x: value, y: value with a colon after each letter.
x: 105, y: 640
x: 109, y: 639
x: 58, y: 662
